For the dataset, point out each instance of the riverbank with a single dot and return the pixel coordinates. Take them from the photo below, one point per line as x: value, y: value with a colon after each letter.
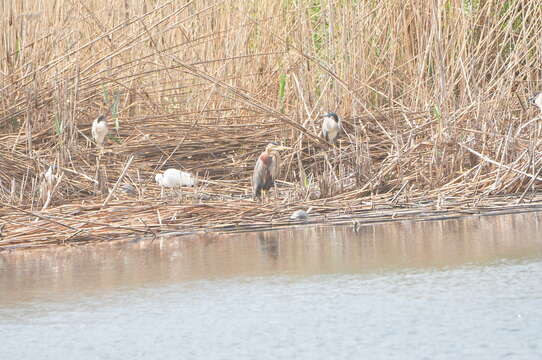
x: 432, y: 99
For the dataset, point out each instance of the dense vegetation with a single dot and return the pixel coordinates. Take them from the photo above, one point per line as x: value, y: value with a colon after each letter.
x: 432, y: 94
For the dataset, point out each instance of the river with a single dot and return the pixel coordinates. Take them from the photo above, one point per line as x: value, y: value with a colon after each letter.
x: 458, y: 289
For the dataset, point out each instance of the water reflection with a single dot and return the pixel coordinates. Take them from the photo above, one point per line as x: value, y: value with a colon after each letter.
x: 307, y: 250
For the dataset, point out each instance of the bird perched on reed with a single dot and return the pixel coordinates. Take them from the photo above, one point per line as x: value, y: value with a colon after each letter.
x: 99, y: 130
x: 267, y: 169
x: 536, y: 100
x: 49, y: 175
x: 331, y: 126
x: 48, y: 183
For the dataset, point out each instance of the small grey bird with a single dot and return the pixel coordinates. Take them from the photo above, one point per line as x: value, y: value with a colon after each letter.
x: 301, y: 214
x: 128, y: 189
x: 99, y: 130
x: 536, y: 100
x: 331, y: 126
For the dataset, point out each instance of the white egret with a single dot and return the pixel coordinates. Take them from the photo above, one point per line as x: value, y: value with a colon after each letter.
x: 172, y: 178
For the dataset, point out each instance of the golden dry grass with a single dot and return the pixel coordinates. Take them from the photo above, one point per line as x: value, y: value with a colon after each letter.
x: 432, y: 94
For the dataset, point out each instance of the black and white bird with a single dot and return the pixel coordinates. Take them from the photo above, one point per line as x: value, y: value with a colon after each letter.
x: 536, y: 100
x: 331, y: 126
x: 99, y: 130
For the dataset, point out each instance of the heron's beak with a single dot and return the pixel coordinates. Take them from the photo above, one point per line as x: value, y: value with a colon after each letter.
x: 281, y: 147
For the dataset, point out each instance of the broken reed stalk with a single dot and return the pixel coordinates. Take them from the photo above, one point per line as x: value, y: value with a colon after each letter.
x: 126, y: 166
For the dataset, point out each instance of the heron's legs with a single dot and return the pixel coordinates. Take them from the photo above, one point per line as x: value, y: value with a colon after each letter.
x: 265, y: 196
x: 100, y: 149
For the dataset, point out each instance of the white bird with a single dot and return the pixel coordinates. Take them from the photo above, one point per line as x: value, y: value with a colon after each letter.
x: 536, y: 100
x: 175, y: 178
x: 49, y: 177
x: 99, y: 130
x: 48, y: 183
x: 300, y: 214
x: 331, y: 126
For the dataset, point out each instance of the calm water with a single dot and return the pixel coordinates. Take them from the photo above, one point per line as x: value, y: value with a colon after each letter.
x: 459, y: 289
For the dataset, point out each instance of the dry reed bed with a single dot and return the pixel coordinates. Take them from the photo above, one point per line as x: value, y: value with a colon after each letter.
x: 432, y: 95
x: 128, y: 219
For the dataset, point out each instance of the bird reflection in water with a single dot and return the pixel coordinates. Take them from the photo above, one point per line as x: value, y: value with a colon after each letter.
x: 269, y: 244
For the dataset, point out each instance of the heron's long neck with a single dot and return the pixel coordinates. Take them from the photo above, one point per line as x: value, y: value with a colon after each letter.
x: 276, y: 159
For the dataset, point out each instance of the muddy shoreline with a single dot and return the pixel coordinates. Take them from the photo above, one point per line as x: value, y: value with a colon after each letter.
x: 129, y: 220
